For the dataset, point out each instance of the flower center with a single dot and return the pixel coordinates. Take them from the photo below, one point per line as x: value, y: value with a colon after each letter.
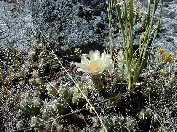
x: 94, y: 68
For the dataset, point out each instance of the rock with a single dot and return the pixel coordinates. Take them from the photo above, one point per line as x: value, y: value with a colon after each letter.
x: 71, y: 23
x: 168, y: 0
x: 16, y: 27
x: 170, y: 39
x: 168, y: 35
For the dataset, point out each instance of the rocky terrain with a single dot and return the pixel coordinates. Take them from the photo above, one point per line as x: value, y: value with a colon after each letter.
x: 168, y: 35
x: 70, y: 23
x: 37, y: 89
x: 16, y: 27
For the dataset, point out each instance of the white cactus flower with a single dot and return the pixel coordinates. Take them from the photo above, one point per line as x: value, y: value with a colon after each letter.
x: 94, y: 63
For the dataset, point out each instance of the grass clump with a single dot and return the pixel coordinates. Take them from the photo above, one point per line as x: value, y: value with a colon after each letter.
x: 135, y: 59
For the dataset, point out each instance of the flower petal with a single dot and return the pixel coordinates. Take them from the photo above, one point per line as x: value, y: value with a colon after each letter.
x: 81, y: 67
x: 84, y: 59
x: 94, y: 55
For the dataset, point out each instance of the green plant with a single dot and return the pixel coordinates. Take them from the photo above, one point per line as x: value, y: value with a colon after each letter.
x: 135, y: 59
